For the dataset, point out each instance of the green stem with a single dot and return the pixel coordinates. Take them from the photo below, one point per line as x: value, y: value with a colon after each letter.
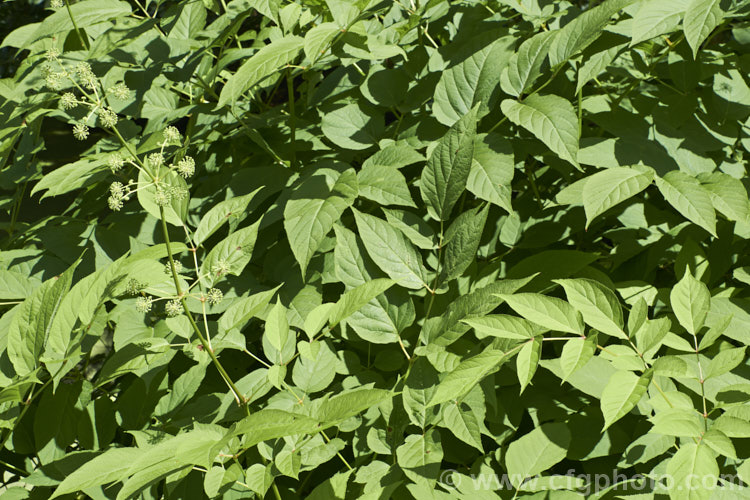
x: 206, y: 346
x: 78, y: 31
x: 292, y: 119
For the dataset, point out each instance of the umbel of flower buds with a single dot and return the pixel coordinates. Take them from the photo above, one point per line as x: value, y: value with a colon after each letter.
x: 186, y: 167
x: 81, y: 131
x: 143, y: 304
x: 173, y: 308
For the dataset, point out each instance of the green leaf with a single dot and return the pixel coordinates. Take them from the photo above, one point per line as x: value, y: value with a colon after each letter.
x: 86, y: 13
x: 690, y: 300
x: 527, y: 361
x: 463, y: 423
x: 356, y: 298
x: 384, y: 317
x: 492, y: 170
x: 598, y: 304
x: 503, y: 326
x: 536, y: 451
x: 385, y: 185
x: 314, y: 208
x: 466, y: 375
x: 583, y: 30
x: 268, y: 424
x: 241, y: 311
x: 353, y: 126
x: 471, y: 82
x: 656, y: 18
x: 701, y: 17
x: 448, y: 328
x: 549, y: 312
x: 551, y: 119
x: 420, y: 457
x: 277, y: 327
x: 623, y: 391
x: 319, y: 38
x: 444, y: 177
x: 462, y: 241
x: 112, y: 465
x: 724, y: 362
x: 575, y: 354
x: 391, y: 251
x: 261, y: 65
x: 233, y: 209
x: 347, y: 404
x: 30, y: 325
x: 525, y: 65
x: 15, y: 285
x: 686, y: 195
x: 728, y: 195
x: 693, y: 471
x: 612, y: 186
x: 230, y: 255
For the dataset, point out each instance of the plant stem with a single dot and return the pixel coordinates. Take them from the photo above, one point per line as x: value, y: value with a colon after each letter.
x: 206, y: 346
x: 292, y: 120
x: 78, y: 31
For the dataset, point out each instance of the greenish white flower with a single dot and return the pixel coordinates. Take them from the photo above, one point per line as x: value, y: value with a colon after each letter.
x: 134, y: 287
x: 214, y: 296
x: 143, y: 304
x: 56, y: 4
x: 172, y: 135
x: 173, y: 308
x: 161, y: 197
x: 81, y: 131
x: 115, y: 162
x: 68, y: 100
x: 221, y: 268
x: 120, y: 91
x: 156, y: 160
x: 168, y: 268
x: 186, y: 167
x: 108, y: 118
x: 52, y: 54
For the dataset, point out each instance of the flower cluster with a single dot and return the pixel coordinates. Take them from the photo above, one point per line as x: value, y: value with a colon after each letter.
x: 186, y: 167
x: 173, y: 308
x: 117, y: 194
x: 143, y: 304
x: 168, y: 268
x: 214, y: 296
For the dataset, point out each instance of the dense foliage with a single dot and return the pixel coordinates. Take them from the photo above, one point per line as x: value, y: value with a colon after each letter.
x: 375, y: 249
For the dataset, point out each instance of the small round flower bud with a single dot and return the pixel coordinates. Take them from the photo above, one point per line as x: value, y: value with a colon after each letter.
x: 52, y: 54
x: 120, y: 91
x: 117, y: 189
x: 53, y: 80
x: 173, y: 308
x: 214, y: 296
x: 115, y: 162
x: 81, y: 131
x: 186, y: 167
x: 56, y: 4
x: 221, y: 268
x: 115, y: 203
x: 156, y: 160
x: 168, y: 268
x: 172, y: 135
x: 177, y: 193
x: 161, y: 197
x: 143, y: 304
x: 134, y: 287
x: 108, y: 118
x: 68, y: 100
